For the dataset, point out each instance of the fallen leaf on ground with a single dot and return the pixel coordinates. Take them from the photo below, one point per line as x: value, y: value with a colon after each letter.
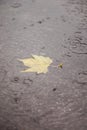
x: 37, y: 64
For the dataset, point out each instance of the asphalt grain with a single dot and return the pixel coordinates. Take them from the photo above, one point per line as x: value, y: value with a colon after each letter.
x: 56, y: 100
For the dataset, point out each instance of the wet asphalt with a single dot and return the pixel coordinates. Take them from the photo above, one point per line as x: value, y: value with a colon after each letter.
x: 56, y: 100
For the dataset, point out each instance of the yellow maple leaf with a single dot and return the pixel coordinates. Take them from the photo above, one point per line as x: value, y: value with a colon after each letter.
x: 37, y: 64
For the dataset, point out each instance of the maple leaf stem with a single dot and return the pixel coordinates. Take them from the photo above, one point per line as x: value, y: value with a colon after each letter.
x: 54, y: 66
x: 57, y: 66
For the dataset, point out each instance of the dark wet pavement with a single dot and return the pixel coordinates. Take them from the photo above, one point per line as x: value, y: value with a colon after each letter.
x: 56, y: 100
